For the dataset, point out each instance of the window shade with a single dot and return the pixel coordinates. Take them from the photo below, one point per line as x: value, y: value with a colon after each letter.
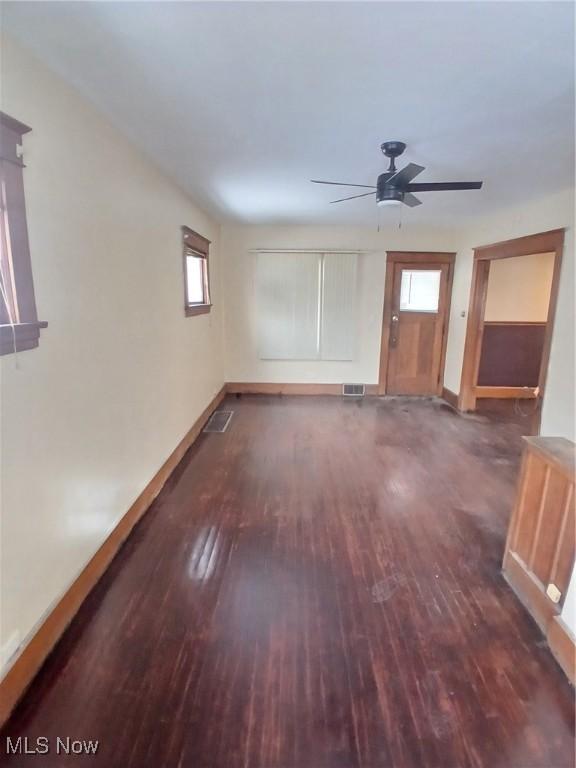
x: 306, y: 306
x: 288, y: 285
x: 338, y: 311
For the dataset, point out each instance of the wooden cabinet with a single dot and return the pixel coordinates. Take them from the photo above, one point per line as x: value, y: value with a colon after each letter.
x: 540, y: 547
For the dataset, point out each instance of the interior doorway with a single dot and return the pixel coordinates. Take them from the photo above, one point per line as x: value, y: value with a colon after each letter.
x: 417, y: 296
x: 510, y: 323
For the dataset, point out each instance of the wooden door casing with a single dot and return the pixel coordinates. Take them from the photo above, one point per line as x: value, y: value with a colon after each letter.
x: 543, y: 242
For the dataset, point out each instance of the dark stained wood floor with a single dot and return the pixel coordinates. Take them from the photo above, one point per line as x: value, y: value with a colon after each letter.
x: 319, y: 587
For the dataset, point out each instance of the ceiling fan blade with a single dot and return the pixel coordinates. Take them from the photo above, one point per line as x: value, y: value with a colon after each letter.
x: 343, y: 184
x: 405, y: 176
x: 444, y: 186
x: 411, y: 200
x: 366, y: 194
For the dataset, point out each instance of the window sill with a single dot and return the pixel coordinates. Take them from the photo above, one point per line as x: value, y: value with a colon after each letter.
x: 197, y: 309
x: 20, y: 337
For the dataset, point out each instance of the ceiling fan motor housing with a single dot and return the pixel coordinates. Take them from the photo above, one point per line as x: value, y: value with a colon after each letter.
x: 386, y: 192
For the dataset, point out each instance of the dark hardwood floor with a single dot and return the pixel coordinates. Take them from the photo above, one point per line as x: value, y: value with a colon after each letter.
x: 319, y: 587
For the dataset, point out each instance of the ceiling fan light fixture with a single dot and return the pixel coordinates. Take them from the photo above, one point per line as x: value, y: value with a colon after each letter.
x: 382, y: 203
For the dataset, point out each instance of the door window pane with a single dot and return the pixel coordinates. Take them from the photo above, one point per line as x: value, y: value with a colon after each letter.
x: 420, y: 290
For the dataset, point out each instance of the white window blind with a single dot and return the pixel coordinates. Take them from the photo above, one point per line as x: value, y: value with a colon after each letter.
x: 338, y: 309
x: 288, y: 288
x: 306, y: 306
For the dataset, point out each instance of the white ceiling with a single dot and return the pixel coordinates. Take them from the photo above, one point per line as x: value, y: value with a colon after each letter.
x: 242, y: 103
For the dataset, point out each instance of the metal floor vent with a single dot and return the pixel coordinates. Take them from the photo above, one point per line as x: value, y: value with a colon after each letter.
x: 353, y: 390
x: 218, y: 422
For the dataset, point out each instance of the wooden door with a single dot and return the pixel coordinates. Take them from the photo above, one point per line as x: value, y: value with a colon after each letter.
x: 539, y: 554
x: 417, y: 328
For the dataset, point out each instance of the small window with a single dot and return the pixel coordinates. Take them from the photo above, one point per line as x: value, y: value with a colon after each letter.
x: 420, y: 290
x: 19, y: 326
x: 196, y: 273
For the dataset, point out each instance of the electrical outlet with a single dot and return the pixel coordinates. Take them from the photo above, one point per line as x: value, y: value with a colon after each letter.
x: 553, y: 593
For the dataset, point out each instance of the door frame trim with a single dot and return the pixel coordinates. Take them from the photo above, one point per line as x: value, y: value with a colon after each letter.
x: 407, y: 257
x: 542, y: 242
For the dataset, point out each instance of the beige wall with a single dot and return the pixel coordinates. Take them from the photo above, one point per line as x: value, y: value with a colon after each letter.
x: 241, y: 349
x: 120, y: 374
x: 519, y: 289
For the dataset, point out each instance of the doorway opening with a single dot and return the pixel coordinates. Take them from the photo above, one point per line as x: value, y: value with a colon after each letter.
x: 510, y: 323
x: 417, y: 296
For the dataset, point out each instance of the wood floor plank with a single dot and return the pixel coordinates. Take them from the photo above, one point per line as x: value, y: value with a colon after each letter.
x: 318, y: 587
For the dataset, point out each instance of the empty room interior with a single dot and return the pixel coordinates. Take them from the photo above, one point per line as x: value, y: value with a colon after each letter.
x: 287, y: 341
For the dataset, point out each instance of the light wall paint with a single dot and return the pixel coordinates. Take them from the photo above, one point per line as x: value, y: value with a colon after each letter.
x: 241, y: 308
x: 120, y: 374
x: 519, y: 289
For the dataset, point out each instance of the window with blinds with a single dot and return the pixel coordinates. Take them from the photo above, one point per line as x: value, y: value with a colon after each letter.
x: 196, y: 273
x: 19, y: 326
x: 306, y: 305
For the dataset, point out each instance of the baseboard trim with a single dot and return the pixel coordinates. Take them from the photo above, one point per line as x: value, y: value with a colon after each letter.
x: 450, y: 397
x: 563, y: 646
x: 270, y: 388
x: 28, y: 663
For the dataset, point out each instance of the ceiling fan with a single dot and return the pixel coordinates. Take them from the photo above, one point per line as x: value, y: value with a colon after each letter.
x: 395, y: 187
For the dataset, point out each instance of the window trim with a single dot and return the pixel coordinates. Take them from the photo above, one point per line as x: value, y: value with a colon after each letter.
x: 25, y: 332
x: 192, y: 241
